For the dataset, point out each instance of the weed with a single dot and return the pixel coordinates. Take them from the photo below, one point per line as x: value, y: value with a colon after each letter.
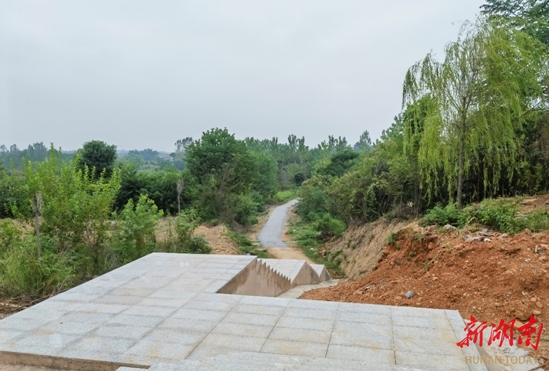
x: 392, y: 238
x: 412, y: 254
x: 425, y: 265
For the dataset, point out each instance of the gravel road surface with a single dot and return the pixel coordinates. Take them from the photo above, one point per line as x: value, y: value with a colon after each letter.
x: 270, y: 235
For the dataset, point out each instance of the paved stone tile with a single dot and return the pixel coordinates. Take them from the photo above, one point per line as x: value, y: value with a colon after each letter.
x: 22, y: 324
x: 363, y: 339
x: 6, y: 334
x: 67, y: 327
x: 364, y: 317
x: 41, y: 342
x: 258, y: 309
x: 306, y: 323
x: 134, y: 320
x: 424, y: 322
x: 417, y: 312
x: 167, y: 335
x: 294, y: 348
x: 149, y: 310
x: 102, y: 308
x: 186, y: 324
x: 250, y: 318
x: 301, y: 335
x: 164, y: 302
x: 232, y: 342
x: 74, y: 297
x: 242, y: 329
x: 209, y: 305
x: 88, y: 355
x: 216, y: 285
x: 117, y: 299
x: 264, y: 301
x: 370, y: 355
x: 122, y: 331
x: 86, y: 317
x: 149, y: 360
x: 427, y: 347
x: 324, y: 314
x: 205, y: 315
x: 168, y: 294
x: 430, y: 361
x: 96, y: 343
x: 312, y: 304
x: 140, y: 292
x: 424, y: 333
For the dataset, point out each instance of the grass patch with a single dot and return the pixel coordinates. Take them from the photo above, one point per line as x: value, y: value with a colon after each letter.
x: 247, y: 246
x: 307, y: 238
x: 281, y: 197
x: 500, y: 215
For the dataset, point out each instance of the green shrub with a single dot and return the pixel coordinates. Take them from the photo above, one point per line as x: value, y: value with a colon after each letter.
x: 22, y: 273
x: 536, y: 221
x: 134, y: 236
x: 246, y: 210
x: 499, y: 215
x: 447, y: 215
x: 329, y: 227
x: 392, y: 238
x: 186, y: 241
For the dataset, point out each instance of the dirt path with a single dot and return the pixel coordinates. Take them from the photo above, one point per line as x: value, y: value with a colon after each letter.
x: 273, y: 238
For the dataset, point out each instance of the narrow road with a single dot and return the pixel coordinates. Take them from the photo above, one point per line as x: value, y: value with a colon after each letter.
x: 271, y: 234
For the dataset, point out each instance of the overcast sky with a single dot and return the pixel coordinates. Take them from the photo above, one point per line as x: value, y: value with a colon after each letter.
x: 142, y: 74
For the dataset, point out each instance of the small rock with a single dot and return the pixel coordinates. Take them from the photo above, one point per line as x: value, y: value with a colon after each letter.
x: 409, y: 294
x: 539, y: 305
x: 503, y: 236
x: 449, y: 227
x: 484, y: 232
x: 536, y: 312
x: 533, y: 300
x: 487, y: 240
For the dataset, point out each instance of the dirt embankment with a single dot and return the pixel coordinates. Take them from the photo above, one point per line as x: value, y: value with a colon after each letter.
x: 362, y: 246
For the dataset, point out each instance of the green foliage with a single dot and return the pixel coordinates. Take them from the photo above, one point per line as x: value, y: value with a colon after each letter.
x: 22, y: 273
x: 98, y: 157
x: 135, y: 235
x: 536, y: 221
x: 496, y: 214
x: 446, y: 215
x: 246, y: 245
x: 281, y: 197
x: 392, y: 238
x: 329, y: 227
x: 530, y: 16
x: 480, y: 98
x: 185, y: 241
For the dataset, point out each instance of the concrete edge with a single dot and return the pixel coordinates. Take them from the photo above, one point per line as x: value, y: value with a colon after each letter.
x: 73, y: 364
x: 458, y: 325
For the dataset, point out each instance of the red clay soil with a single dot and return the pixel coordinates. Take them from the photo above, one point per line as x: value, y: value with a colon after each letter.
x: 493, y: 277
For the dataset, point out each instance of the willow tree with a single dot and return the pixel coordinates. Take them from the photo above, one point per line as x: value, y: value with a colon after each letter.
x: 483, y: 91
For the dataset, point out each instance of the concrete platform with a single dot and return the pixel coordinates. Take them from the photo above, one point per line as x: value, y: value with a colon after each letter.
x: 164, y: 311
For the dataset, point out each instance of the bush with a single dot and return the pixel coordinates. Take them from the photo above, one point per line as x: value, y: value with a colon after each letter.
x: 184, y: 241
x: 447, y: 215
x: 496, y: 214
x: 329, y: 227
x: 135, y: 235
x: 22, y: 273
x: 536, y: 221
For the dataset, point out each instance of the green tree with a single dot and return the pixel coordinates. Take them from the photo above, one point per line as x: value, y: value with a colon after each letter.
x: 482, y: 93
x: 531, y: 16
x: 224, y: 170
x: 98, y: 156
